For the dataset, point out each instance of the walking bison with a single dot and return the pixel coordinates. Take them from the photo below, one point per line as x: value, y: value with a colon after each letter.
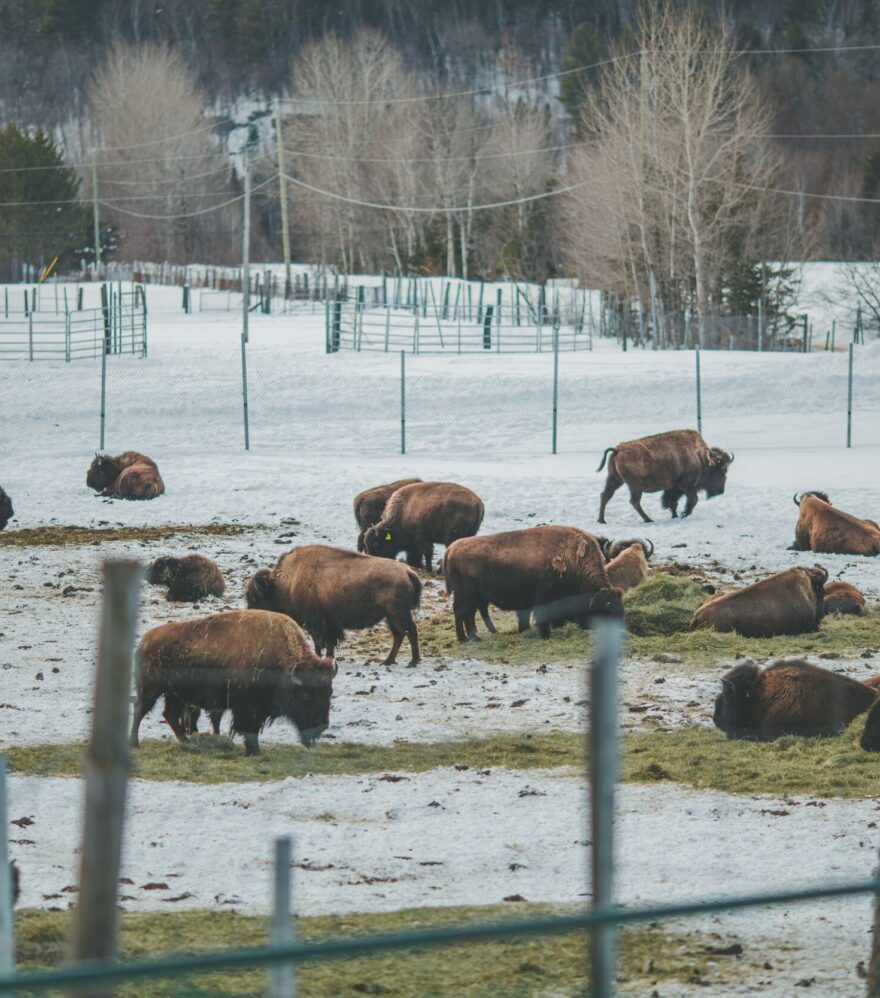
x: 129, y: 476
x: 557, y: 572
x: 826, y: 530
x: 258, y: 665
x: 370, y: 504
x: 188, y: 579
x: 423, y: 514
x: 328, y: 591
x: 678, y: 463
x: 790, y: 602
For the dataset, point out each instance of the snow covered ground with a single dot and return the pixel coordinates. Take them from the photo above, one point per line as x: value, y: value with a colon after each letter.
x: 324, y: 427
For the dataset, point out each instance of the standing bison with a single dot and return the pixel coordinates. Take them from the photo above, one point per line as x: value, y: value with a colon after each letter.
x: 627, y: 562
x: 369, y: 505
x: 824, y: 529
x: 423, y: 514
x: 790, y: 602
x: 328, y: 591
x: 257, y: 664
x: 788, y: 698
x: 678, y: 463
x: 6, y: 510
x: 558, y: 572
x: 188, y: 579
x: 129, y: 476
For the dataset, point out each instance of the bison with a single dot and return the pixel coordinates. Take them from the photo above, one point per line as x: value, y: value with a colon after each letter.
x: 826, y: 530
x: 790, y: 697
x: 842, y: 597
x: 627, y: 563
x: 558, y: 572
x: 790, y: 602
x: 423, y: 514
x: 678, y: 463
x: 6, y: 510
x: 327, y: 591
x: 257, y: 664
x: 129, y: 476
x: 369, y: 505
x: 190, y: 578
x: 870, y: 740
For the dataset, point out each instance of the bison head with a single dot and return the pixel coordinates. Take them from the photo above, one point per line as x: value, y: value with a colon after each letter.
x: 714, y: 477
x: 870, y: 740
x: 607, y: 603
x: 380, y: 541
x: 260, y: 591
x: 162, y: 571
x: 6, y: 510
x: 798, y: 498
x: 307, y: 698
x: 737, y: 708
x: 612, y: 549
x: 102, y: 473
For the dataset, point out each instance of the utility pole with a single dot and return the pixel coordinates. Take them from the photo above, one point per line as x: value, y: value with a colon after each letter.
x: 95, y: 210
x: 285, y: 227
x: 246, y: 250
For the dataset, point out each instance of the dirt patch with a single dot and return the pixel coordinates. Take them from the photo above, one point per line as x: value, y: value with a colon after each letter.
x: 72, y: 536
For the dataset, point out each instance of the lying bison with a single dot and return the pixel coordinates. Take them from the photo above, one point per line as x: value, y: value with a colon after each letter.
x: 329, y: 591
x: 788, y: 698
x: 824, y: 529
x: 558, y: 572
x: 423, y: 514
x: 259, y: 665
x: 129, y: 476
x: 6, y: 510
x: 678, y: 463
x: 791, y: 602
x: 188, y: 579
x: 627, y: 562
x: 842, y: 597
x: 369, y: 505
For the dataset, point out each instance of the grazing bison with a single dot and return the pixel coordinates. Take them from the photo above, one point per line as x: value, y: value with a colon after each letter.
x: 423, y: 514
x: 789, y: 697
x: 190, y: 578
x: 6, y: 510
x: 558, y: 572
x: 369, y: 505
x: 790, y: 602
x: 678, y: 463
x: 841, y: 597
x: 257, y: 664
x: 129, y: 476
x: 627, y: 563
x: 824, y: 529
x: 328, y: 591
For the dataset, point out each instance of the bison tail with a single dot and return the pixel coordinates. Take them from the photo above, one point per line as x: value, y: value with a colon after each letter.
x: 608, y: 450
x: 417, y: 590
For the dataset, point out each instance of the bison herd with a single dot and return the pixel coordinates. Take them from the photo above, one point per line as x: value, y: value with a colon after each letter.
x: 259, y: 664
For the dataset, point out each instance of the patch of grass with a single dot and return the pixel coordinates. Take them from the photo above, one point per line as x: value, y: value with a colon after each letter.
x: 554, y: 965
x: 662, y: 605
x: 56, y: 536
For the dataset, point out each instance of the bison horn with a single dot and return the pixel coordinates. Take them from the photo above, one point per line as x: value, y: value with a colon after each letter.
x: 731, y: 457
x: 797, y: 501
x: 605, y: 547
x: 647, y: 552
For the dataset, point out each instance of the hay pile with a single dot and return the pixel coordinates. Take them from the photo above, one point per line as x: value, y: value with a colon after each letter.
x: 662, y: 605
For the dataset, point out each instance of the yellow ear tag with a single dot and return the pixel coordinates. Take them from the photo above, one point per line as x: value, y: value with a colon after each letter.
x: 388, y: 537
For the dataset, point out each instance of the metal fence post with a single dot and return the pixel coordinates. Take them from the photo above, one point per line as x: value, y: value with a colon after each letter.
x: 67, y: 336
x: 244, y: 392
x: 849, y: 398
x: 7, y: 930
x: 30, y: 336
x: 103, y: 394
x: 282, y: 977
x: 603, y: 777
x: 555, y: 382
x: 487, y: 326
x: 699, y: 392
x: 403, y: 401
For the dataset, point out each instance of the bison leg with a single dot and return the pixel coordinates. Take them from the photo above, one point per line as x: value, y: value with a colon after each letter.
x: 670, y: 501
x: 414, y: 559
x: 190, y: 720
x: 612, y: 484
x: 487, y: 620
x: 692, y: 498
x: 251, y: 743
x: 522, y: 620
x: 635, y: 500
x: 459, y: 621
x: 142, y: 707
x: 216, y: 717
x: 397, y: 634
x: 428, y: 555
x: 544, y: 629
x: 173, y: 713
x: 470, y: 623
x: 412, y: 633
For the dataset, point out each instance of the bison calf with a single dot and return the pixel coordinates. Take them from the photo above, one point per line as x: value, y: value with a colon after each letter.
x: 627, y: 563
x: 190, y: 578
x: 129, y: 476
x: 329, y: 591
x: 841, y: 597
x: 369, y: 505
x: 790, y: 602
x: 824, y: 529
x: 788, y: 698
x: 423, y: 514
x: 256, y: 664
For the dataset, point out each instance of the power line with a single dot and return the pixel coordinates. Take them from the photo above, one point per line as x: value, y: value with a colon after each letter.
x: 166, y: 138
x: 167, y: 180
x: 187, y: 214
x: 111, y: 201
x: 123, y: 162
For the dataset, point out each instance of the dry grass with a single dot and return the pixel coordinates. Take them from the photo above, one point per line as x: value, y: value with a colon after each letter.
x: 58, y: 536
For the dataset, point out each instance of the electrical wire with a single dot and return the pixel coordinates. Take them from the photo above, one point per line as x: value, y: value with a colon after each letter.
x: 187, y: 214
x: 166, y: 138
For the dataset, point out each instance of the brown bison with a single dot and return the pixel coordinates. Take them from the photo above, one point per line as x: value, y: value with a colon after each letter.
x: 328, y: 591
x: 129, y: 476
x: 790, y: 602
x: 627, y: 563
x: 190, y: 578
x: 841, y: 597
x: 558, y: 572
x: 6, y: 510
x: 678, y: 463
x: 788, y: 698
x: 369, y: 505
x: 824, y: 529
x: 423, y: 514
x: 256, y: 664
